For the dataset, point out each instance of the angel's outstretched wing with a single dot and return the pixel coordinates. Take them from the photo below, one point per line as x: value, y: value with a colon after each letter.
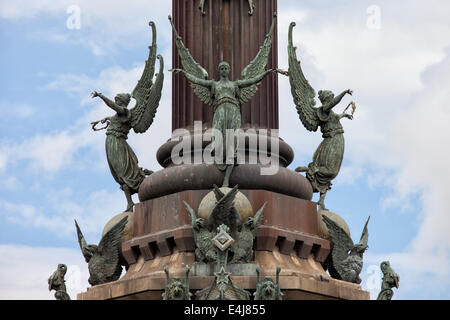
x: 192, y: 67
x: 257, y: 66
x: 147, y: 93
x: 109, y: 248
x: 342, y: 243
x: 302, y: 92
x: 365, y: 234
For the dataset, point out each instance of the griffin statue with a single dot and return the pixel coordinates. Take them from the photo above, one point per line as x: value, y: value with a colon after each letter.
x: 250, y: 3
x: 224, y: 214
x: 56, y: 282
x: 390, y: 280
x: 328, y: 157
x: 346, y: 257
x: 243, y: 247
x: 205, y: 251
x: 104, y: 260
x: 224, y: 95
x: 267, y: 289
x: 122, y: 160
x: 175, y: 288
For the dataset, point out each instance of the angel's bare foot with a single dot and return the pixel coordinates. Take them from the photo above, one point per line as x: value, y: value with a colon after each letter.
x: 301, y: 169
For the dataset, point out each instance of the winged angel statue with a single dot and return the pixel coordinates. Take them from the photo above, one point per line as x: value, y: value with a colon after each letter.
x: 122, y: 161
x: 328, y: 157
x: 224, y: 95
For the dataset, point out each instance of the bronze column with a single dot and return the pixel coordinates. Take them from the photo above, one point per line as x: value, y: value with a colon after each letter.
x: 225, y: 33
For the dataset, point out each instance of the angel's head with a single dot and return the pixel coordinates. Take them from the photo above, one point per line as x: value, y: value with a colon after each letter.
x: 224, y: 69
x: 123, y: 99
x: 325, y: 96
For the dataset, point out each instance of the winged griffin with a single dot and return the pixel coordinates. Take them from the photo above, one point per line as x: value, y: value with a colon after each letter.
x: 122, y: 161
x: 225, y: 214
x: 103, y: 260
x: 224, y: 95
x: 347, y: 257
x: 328, y: 157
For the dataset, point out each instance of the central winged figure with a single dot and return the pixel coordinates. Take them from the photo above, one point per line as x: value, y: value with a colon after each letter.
x: 122, y: 161
x: 225, y: 96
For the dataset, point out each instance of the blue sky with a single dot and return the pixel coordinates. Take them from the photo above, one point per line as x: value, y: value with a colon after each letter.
x: 394, y: 55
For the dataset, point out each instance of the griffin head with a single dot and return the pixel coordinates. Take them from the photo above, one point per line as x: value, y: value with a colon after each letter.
x: 359, y: 249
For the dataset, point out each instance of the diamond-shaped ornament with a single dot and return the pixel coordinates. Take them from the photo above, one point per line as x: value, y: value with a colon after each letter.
x: 223, y: 240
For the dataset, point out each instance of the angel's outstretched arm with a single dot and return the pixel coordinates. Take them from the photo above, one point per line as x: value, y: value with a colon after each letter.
x: 120, y: 110
x: 194, y: 79
x: 336, y: 100
x: 252, y: 81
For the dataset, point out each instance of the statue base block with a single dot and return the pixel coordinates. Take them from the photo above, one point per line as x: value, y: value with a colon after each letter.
x: 300, y: 279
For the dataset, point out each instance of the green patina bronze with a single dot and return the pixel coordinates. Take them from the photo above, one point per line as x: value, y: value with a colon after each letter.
x: 56, y: 282
x: 122, y: 161
x: 224, y: 95
x: 104, y: 260
x: 328, y: 157
x: 250, y: 3
x: 175, y: 288
x: 224, y: 213
x: 267, y: 289
x: 222, y: 287
x: 243, y: 247
x: 390, y: 280
x: 346, y: 257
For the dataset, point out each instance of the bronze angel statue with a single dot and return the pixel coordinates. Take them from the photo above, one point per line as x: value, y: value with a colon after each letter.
x: 122, y: 161
x: 225, y: 96
x: 328, y: 157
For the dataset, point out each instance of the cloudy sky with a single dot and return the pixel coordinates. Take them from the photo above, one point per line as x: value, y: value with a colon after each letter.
x: 395, y: 55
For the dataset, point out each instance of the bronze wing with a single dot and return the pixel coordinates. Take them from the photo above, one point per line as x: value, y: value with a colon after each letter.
x: 302, y: 92
x: 342, y: 243
x: 365, y: 234
x: 147, y: 93
x: 192, y: 67
x: 109, y: 249
x: 257, y: 65
x: 82, y: 242
x: 257, y: 219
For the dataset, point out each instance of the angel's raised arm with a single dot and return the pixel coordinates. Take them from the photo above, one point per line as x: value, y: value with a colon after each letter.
x: 252, y: 81
x: 110, y: 103
x: 194, y: 79
x: 336, y: 100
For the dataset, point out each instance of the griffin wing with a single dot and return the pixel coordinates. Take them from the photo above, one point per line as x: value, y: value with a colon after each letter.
x: 365, y: 234
x: 191, y: 212
x: 192, y: 67
x: 109, y: 248
x: 224, y: 201
x: 301, y: 90
x: 147, y: 93
x: 257, y: 65
x: 81, y: 241
x: 258, y: 219
x: 342, y: 243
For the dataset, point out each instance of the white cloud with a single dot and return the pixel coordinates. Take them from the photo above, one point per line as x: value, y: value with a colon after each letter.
x: 25, y: 271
